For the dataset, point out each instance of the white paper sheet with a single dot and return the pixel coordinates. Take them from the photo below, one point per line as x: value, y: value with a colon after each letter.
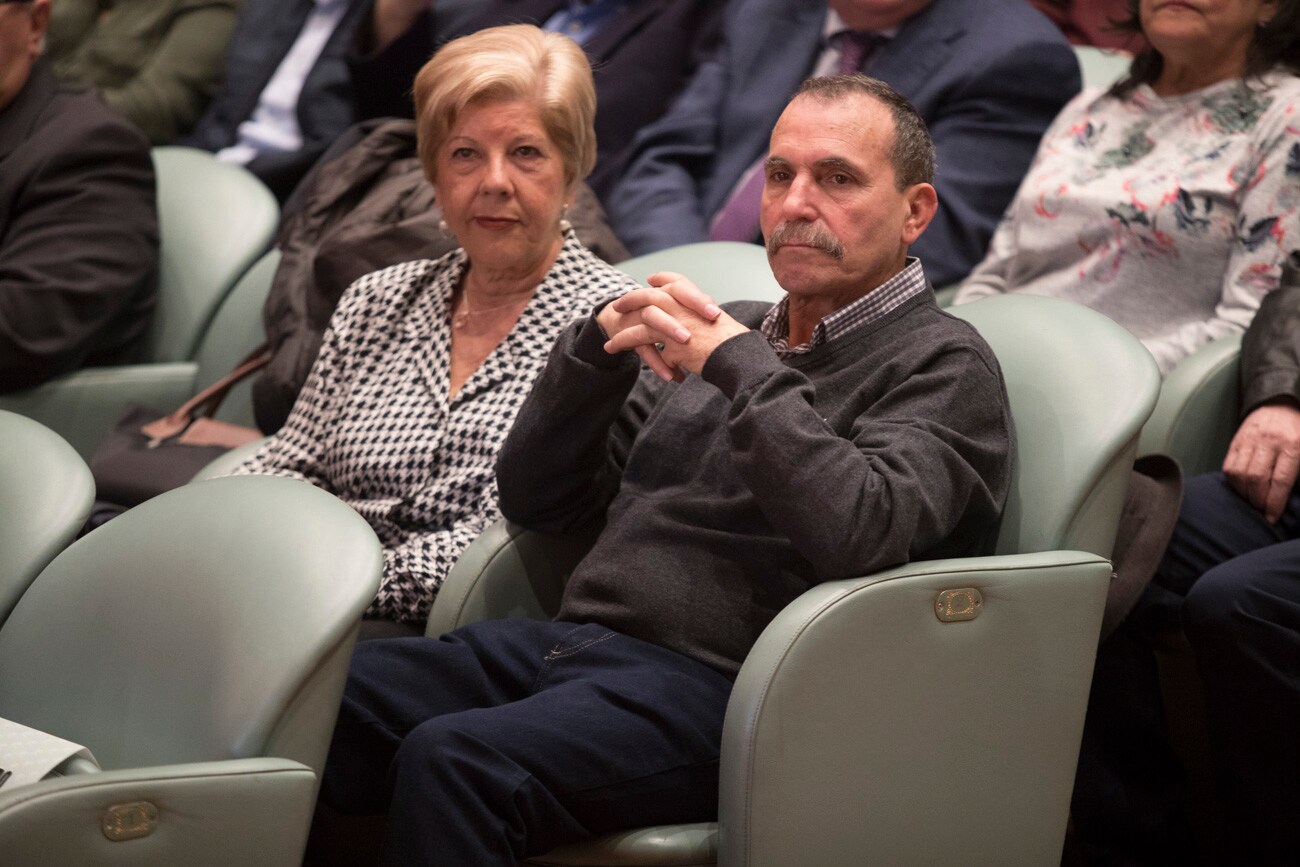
x: 28, y: 755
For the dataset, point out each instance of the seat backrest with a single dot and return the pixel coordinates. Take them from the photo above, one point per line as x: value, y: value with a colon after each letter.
x: 726, y: 270
x: 1196, y: 416
x: 237, y: 330
x: 215, y: 219
x: 45, y: 495
x: 1102, y: 67
x: 1080, y: 388
x: 212, y: 622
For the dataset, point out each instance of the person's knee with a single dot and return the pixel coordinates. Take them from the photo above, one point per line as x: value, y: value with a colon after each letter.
x: 1204, y: 535
x: 1217, y: 607
x: 1207, y: 488
x: 428, y: 742
x: 450, y: 751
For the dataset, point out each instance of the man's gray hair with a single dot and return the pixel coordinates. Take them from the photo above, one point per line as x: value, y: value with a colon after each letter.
x: 912, y: 155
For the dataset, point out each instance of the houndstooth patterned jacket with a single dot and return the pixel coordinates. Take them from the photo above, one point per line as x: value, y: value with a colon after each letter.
x: 373, y: 425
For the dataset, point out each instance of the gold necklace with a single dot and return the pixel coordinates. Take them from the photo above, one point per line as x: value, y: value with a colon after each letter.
x: 459, y: 319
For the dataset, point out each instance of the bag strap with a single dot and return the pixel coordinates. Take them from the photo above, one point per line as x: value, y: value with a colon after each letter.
x: 207, y: 401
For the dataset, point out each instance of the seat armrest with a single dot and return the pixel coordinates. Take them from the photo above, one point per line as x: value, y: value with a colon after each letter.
x: 1196, y: 415
x: 485, y: 583
x: 863, y: 729
x: 209, y: 814
x: 82, y: 406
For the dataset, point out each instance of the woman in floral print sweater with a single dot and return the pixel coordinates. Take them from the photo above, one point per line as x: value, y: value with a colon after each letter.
x: 1169, y: 202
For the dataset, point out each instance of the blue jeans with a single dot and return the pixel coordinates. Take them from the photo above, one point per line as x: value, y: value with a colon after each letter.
x: 507, y: 738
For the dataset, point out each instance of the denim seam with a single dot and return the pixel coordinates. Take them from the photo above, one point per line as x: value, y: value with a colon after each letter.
x: 557, y: 653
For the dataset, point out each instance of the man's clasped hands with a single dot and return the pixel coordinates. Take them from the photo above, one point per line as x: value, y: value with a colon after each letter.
x: 672, y: 324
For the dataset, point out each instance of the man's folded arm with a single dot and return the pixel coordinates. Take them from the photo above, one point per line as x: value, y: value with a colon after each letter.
x: 561, y: 463
x: 929, y: 459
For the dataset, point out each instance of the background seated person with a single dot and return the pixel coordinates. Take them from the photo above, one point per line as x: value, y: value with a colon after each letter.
x: 1232, y: 574
x: 157, y: 61
x: 851, y: 427
x: 287, y: 92
x: 1241, y: 532
x: 1167, y: 202
x: 986, y: 76
x: 642, y: 51
x: 425, y: 364
x: 78, y: 218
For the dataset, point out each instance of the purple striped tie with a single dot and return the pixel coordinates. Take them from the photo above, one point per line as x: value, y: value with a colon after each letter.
x: 855, y: 47
x: 737, y: 220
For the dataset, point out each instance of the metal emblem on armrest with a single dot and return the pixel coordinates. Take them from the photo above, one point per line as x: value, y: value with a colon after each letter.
x: 963, y: 604
x: 129, y: 821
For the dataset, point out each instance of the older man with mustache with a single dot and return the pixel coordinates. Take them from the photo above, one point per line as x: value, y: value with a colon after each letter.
x: 856, y: 427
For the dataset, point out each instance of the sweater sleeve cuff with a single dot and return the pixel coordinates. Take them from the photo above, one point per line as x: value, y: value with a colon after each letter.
x: 740, y: 362
x: 1267, y: 386
x: 589, y: 344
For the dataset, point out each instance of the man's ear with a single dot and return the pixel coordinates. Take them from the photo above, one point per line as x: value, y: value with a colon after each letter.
x: 922, y: 202
x: 40, y: 24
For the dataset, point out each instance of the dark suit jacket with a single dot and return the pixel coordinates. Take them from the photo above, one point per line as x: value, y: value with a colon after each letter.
x: 266, y: 31
x: 641, y: 61
x: 78, y: 233
x: 987, y: 76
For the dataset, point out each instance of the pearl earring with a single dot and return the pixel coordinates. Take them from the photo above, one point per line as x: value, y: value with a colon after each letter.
x: 565, y: 225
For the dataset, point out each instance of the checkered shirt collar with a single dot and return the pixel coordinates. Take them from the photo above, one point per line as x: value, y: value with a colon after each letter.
x: 904, y: 285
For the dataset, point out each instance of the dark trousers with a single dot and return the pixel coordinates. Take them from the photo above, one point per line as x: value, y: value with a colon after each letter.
x: 1233, y: 581
x: 507, y: 738
x: 1242, y: 618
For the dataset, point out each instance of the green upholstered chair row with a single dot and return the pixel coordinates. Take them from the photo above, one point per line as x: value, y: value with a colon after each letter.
x: 1102, y: 67
x: 198, y: 645
x: 726, y: 270
x: 45, y: 495
x: 862, y: 729
x: 215, y: 220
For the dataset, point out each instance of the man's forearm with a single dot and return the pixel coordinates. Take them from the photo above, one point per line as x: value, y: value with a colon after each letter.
x: 559, y: 466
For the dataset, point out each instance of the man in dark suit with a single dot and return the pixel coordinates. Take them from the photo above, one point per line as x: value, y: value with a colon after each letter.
x: 78, y: 219
x: 987, y: 77
x: 272, y: 36
x: 642, y: 53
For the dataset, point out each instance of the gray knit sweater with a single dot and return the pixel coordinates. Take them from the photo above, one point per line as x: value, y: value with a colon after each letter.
x: 728, y: 495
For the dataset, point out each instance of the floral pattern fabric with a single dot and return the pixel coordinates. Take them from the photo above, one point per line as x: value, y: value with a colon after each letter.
x: 1170, y: 215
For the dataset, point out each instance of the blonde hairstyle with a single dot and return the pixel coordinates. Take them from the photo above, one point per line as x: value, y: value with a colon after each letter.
x: 518, y: 61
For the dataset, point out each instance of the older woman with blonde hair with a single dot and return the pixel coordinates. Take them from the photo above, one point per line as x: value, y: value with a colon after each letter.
x: 426, y: 363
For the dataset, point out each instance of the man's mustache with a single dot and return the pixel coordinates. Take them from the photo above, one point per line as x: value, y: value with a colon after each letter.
x: 807, y: 234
